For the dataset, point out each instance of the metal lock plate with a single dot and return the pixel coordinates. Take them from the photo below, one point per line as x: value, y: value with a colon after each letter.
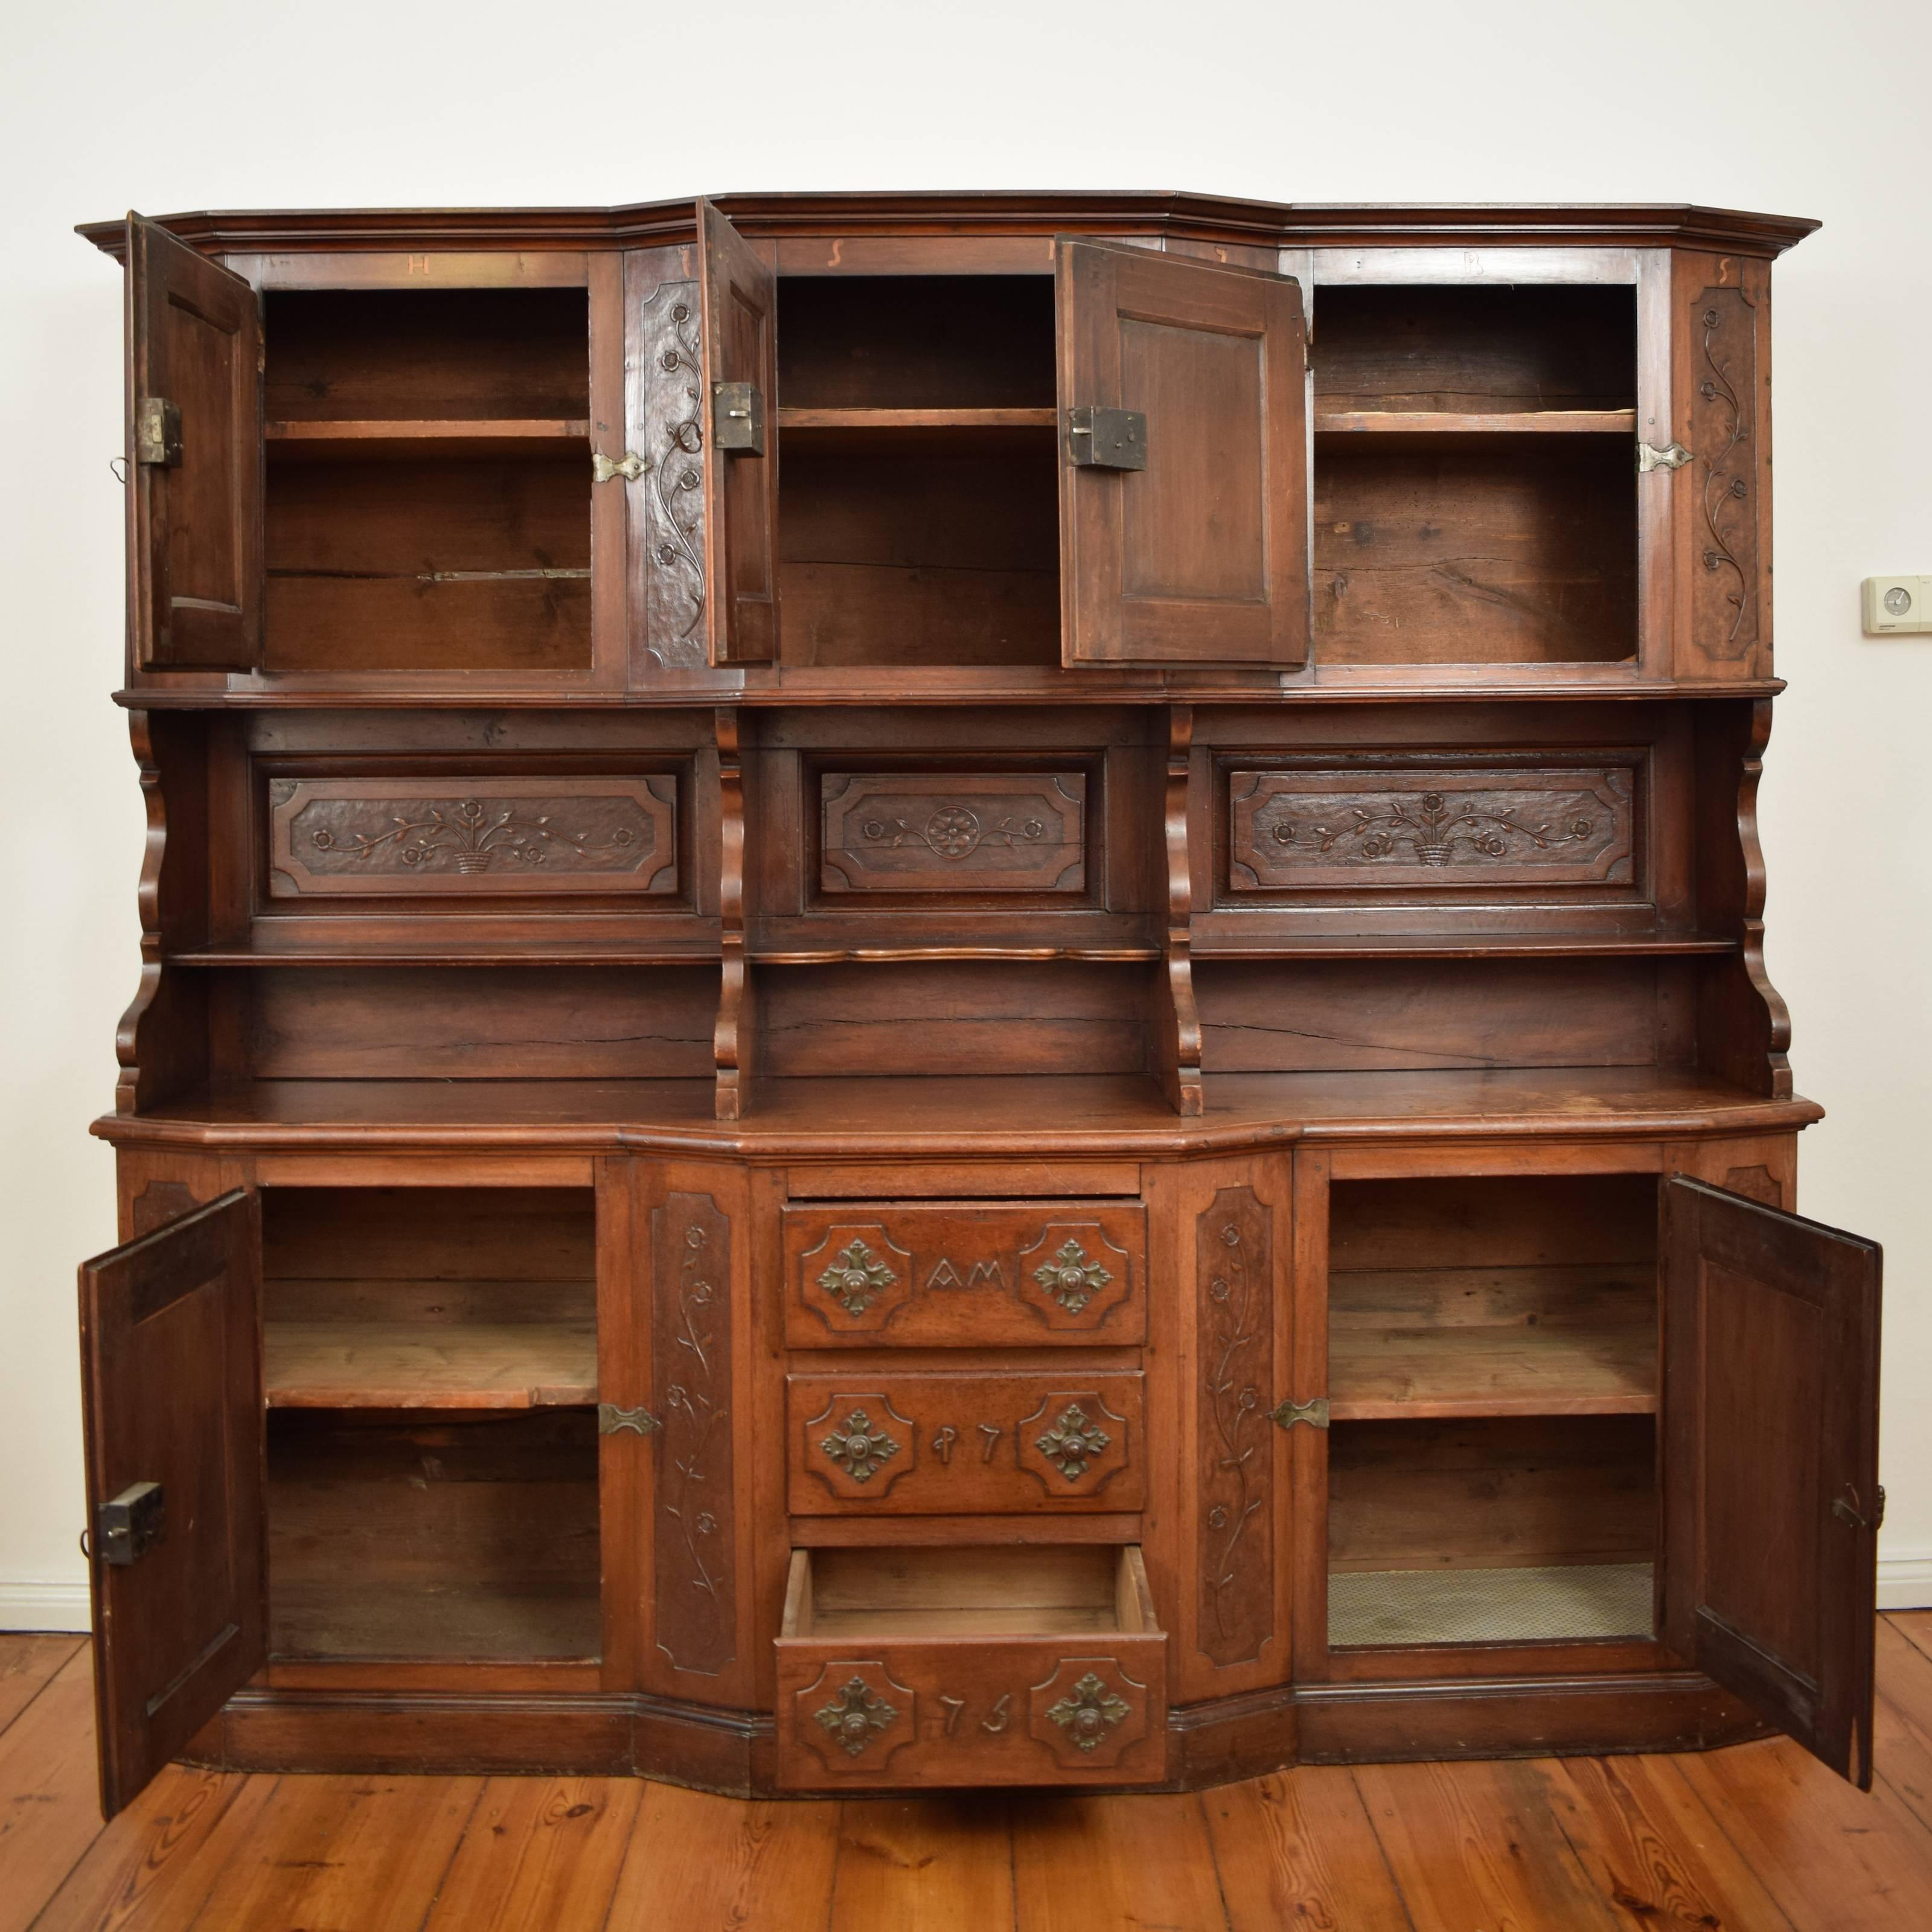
x: 1107, y: 438
x: 738, y: 418
x: 157, y: 432
x: 129, y: 1525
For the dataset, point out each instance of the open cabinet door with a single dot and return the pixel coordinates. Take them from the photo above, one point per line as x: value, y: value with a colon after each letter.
x: 194, y: 458
x: 1771, y: 1498
x: 170, y: 1347
x: 1183, y: 480
x: 738, y: 294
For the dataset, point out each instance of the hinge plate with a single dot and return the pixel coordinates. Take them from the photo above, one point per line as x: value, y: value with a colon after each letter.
x: 1314, y: 1414
x: 1103, y: 438
x: 630, y: 465
x: 128, y: 1526
x: 738, y: 418
x: 1649, y: 458
x: 611, y: 1419
x: 157, y: 432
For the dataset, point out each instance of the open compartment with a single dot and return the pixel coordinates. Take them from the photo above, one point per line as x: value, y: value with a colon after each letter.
x: 428, y: 486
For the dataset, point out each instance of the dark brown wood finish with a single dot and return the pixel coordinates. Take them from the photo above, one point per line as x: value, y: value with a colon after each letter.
x: 170, y: 1345
x: 1771, y: 1494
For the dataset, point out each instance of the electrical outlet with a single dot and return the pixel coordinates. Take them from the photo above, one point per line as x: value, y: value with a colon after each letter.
x: 1897, y: 603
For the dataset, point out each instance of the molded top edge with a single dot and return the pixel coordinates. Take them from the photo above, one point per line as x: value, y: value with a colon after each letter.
x: 1207, y: 218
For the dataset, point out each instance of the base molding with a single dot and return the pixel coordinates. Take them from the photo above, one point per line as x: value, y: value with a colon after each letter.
x: 34, y: 1606
x: 1905, y: 1582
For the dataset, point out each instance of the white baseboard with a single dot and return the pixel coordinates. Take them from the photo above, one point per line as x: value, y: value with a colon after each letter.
x: 1905, y: 1582
x: 49, y: 1606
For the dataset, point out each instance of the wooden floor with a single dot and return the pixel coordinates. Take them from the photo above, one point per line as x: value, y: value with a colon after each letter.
x: 1755, y: 1837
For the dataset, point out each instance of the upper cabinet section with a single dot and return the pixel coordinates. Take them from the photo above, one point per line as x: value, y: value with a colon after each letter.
x: 999, y: 445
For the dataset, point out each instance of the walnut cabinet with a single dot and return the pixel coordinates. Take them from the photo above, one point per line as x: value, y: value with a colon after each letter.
x: 950, y: 991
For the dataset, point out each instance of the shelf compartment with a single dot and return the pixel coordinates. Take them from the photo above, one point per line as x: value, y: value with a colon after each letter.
x: 1460, y: 422
x: 402, y: 1365
x: 1224, y: 945
x: 265, y: 948
x: 1386, y: 1609
x: 536, y: 438
x: 792, y: 419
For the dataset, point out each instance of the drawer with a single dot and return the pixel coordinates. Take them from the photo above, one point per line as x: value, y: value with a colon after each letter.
x: 943, y: 1274
x: 943, y: 1444
x: 921, y: 1667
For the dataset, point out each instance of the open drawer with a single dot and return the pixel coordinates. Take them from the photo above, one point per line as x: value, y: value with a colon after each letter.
x: 1041, y: 1665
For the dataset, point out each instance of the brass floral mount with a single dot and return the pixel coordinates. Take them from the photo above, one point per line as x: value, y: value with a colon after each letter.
x: 857, y: 1713
x: 858, y: 1452
x: 1431, y: 825
x: 1072, y: 1442
x: 856, y: 1277
x: 1071, y: 1277
x: 1086, y: 1714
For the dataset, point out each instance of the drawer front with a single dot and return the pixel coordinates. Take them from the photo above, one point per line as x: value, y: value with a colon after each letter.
x: 941, y: 1444
x: 958, y: 1274
x: 964, y: 1710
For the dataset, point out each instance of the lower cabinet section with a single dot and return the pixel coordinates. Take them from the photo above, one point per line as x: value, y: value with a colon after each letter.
x: 972, y: 1666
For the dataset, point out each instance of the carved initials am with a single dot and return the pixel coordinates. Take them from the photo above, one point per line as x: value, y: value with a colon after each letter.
x: 981, y: 1274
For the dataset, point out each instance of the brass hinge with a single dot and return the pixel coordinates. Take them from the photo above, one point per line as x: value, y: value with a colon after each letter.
x: 1102, y: 439
x: 128, y: 1526
x: 1848, y: 1513
x: 630, y: 465
x: 1314, y: 1414
x: 157, y: 437
x: 1649, y: 458
x: 738, y: 418
x: 611, y: 1419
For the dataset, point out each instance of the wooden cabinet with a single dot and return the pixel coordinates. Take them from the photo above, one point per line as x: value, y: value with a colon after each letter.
x: 961, y: 991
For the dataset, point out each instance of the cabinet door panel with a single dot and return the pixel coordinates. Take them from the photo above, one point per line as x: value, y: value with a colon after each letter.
x: 170, y: 1334
x: 1201, y: 555
x: 1770, y: 1496
x: 194, y: 456
x: 737, y: 293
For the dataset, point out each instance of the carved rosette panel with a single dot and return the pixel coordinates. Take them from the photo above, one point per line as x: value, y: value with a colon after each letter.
x: 1235, y: 1347
x: 423, y: 837
x: 971, y: 833
x: 1073, y: 1445
x: 857, y: 1278
x: 1723, y: 429
x: 1383, y: 825
x: 855, y: 1716
x: 860, y: 1447
x: 694, y: 1548
x: 1088, y: 1713
x: 671, y: 378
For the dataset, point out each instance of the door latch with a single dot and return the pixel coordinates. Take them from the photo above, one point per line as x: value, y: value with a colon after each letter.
x: 1648, y: 457
x: 157, y: 432
x: 738, y: 418
x: 1314, y: 1414
x: 128, y: 1525
x: 1102, y: 439
x: 611, y: 1419
x: 1847, y: 1512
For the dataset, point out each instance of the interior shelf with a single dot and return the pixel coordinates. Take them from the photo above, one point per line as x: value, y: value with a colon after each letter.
x: 1603, y: 1368
x: 1454, y: 945
x: 425, y: 1365
x: 1545, y: 1603
x: 263, y: 948
x: 856, y: 417
x: 372, y: 439
x: 1460, y: 422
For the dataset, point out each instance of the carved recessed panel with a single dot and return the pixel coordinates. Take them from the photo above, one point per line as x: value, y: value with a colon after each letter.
x: 1073, y: 1445
x: 693, y: 1560
x: 487, y: 836
x: 855, y: 1716
x: 1384, y: 825
x: 856, y: 1276
x: 1234, y: 1490
x: 1723, y: 432
x: 859, y: 1446
x: 667, y: 383
x: 970, y: 832
x: 1088, y: 1713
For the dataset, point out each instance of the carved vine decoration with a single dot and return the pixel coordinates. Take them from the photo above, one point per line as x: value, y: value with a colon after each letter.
x: 694, y: 1398
x: 674, y: 453
x: 953, y: 832
x: 471, y: 835
x: 1089, y: 1711
x: 1726, y: 504
x: 1237, y: 1409
x: 1431, y: 826
x: 855, y: 1714
x: 1072, y: 1442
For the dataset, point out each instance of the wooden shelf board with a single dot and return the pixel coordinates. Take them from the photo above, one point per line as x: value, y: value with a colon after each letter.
x: 1448, y: 422
x: 887, y: 419
x: 250, y: 952
x: 1582, y: 1603
x: 1455, y: 945
x: 468, y: 1622
x: 1545, y: 1369
x: 538, y: 438
x: 894, y: 954
x: 446, y: 1365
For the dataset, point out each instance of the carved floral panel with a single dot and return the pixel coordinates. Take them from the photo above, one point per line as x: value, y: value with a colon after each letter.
x: 970, y: 832
x: 1347, y: 827
x: 693, y: 1561
x: 1722, y: 428
x: 667, y: 385
x: 482, y: 835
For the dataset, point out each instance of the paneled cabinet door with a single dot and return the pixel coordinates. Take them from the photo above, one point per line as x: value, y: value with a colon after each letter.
x: 1771, y: 1498
x: 738, y: 419
x: 1183, y: 481
x: 194, y: 458
x: 171, y: 1361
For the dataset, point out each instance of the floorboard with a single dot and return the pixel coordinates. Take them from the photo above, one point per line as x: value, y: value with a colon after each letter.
x: 1756, y: 1839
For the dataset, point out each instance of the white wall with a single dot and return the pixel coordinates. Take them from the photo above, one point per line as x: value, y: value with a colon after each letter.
x: 1795, y: 108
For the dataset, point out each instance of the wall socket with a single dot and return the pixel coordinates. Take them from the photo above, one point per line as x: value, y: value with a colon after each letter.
x: 1896, y: 604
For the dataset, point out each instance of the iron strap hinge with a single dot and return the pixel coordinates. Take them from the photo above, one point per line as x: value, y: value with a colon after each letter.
x: 1314, y: 1414
x: 1104, y: 438
x: 1848, y: 1514
x: 630, y: 465
x: 611, y: 1419
x: 1648, y: 457
x: 157, y: 432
